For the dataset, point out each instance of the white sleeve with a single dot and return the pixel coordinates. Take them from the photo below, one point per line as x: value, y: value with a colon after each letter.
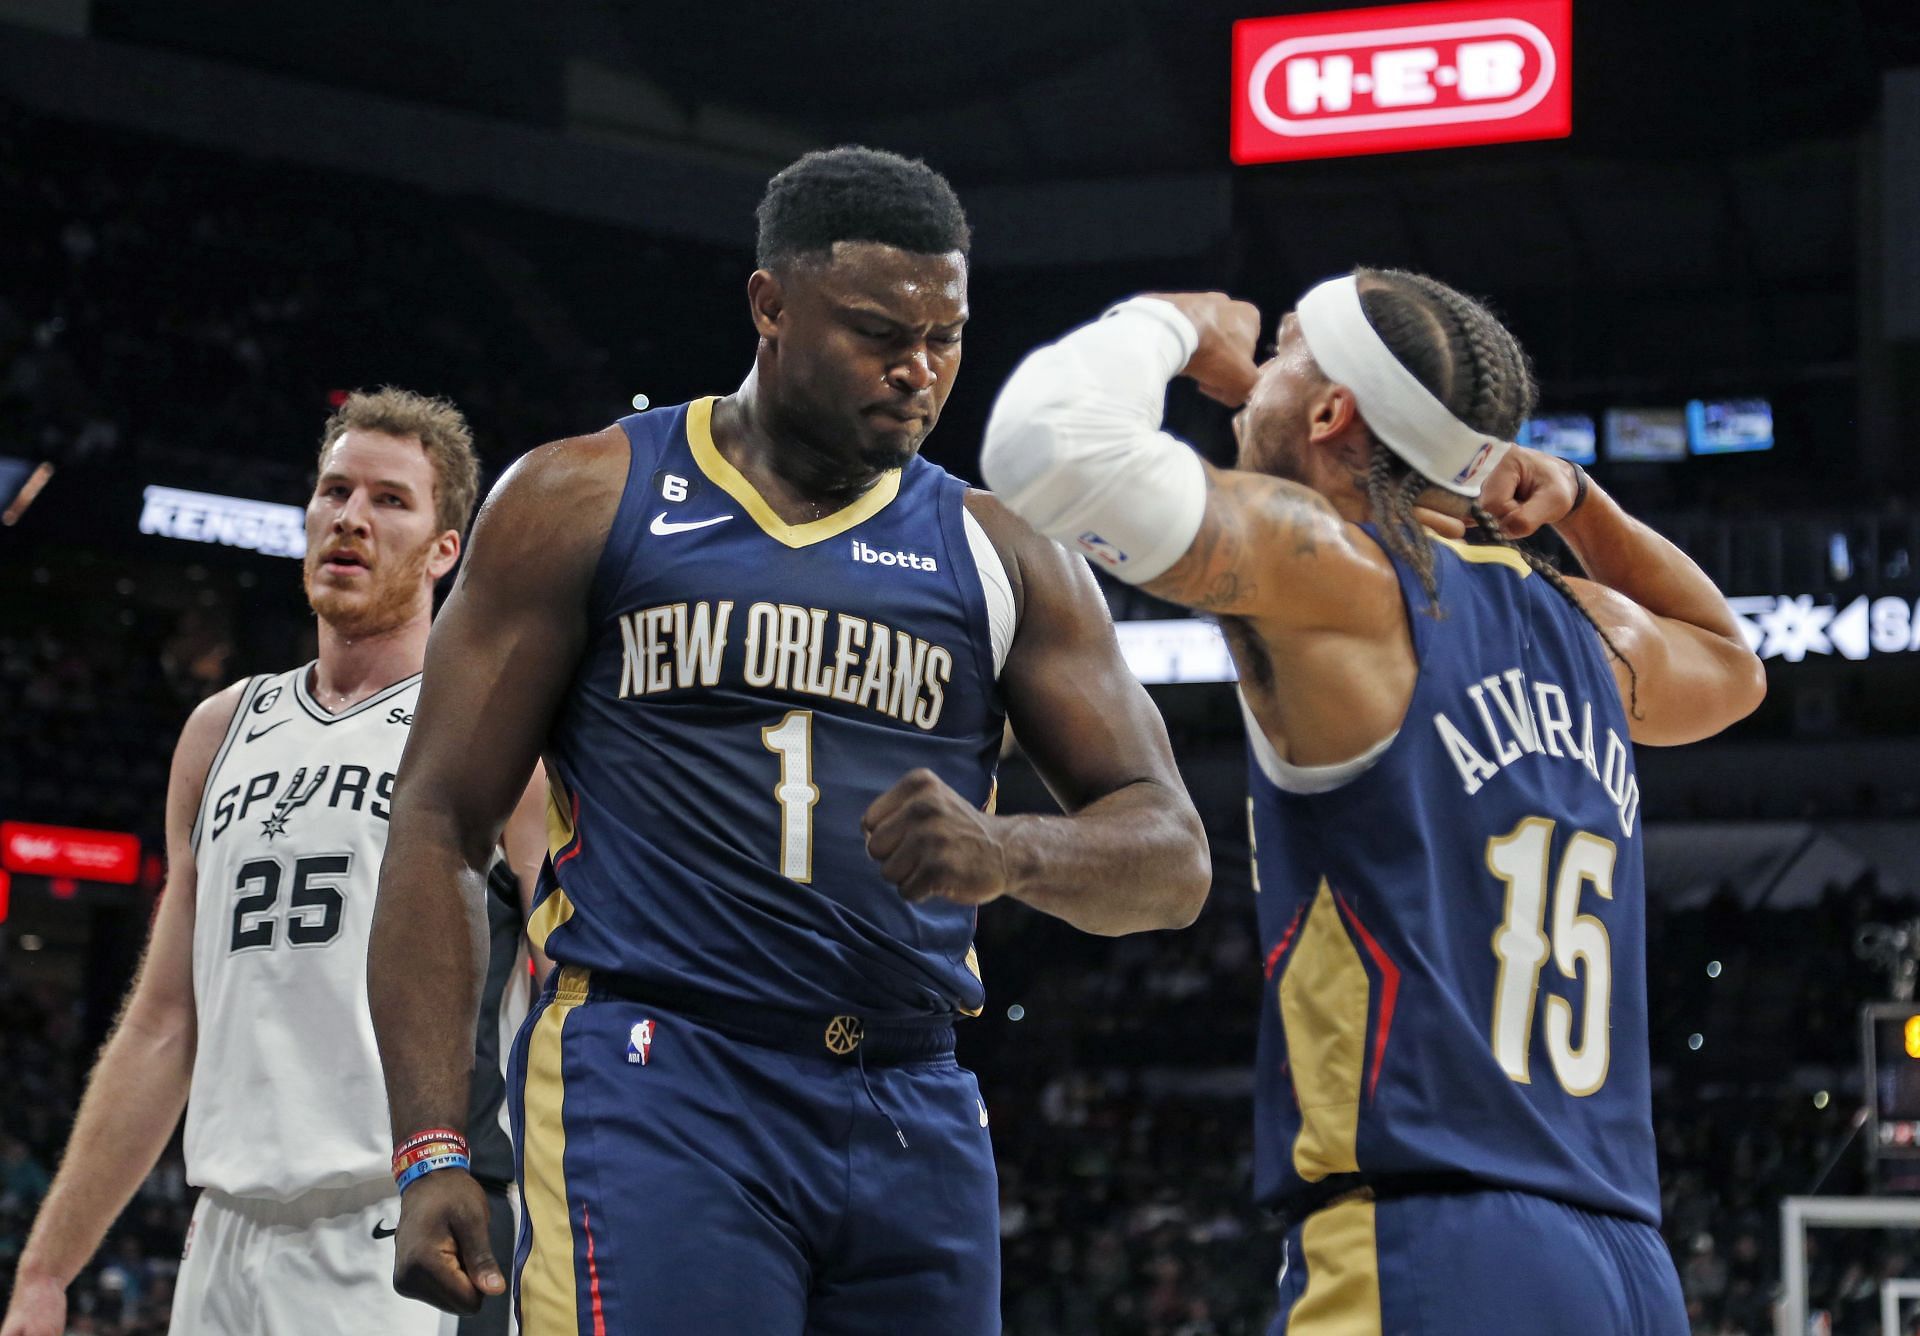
x: 1074, y: 444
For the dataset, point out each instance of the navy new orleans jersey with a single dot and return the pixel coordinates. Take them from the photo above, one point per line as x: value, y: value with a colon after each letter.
x: 1455, y: 945
x: 748, y: 689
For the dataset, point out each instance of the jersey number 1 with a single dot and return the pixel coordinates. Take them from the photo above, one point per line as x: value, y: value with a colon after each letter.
x: 792, y: 741
x: 1578, y: 944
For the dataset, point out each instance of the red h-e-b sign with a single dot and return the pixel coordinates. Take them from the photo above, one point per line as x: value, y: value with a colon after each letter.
x: 65, y: 851
x: 1406, y: 77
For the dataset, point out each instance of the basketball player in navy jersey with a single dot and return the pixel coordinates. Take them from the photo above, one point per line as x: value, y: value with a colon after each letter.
x: 1452, y: 1088
x: 766, y: 652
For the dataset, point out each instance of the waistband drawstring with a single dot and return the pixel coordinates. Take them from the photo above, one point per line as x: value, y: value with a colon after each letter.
x: 861, y: 1059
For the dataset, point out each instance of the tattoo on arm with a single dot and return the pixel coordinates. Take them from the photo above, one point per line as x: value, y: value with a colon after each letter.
x: 1255, y: 526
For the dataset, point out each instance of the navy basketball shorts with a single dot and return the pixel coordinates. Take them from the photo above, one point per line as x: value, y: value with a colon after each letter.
x: 1472, y: 1263
x: 677, y: 1179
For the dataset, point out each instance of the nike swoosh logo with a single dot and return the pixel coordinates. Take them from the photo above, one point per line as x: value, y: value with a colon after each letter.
x: 663, y: 526
x: 983, y: 1112
x: 262, y: 732
x: 380, y: 1230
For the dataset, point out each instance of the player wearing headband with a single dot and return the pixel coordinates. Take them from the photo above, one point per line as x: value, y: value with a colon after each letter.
x: 1452, y: 1089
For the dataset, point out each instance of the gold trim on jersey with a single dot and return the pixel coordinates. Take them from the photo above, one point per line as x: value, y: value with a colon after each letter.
x: 559, y: 817
x: 1485, y: 554
x: 973, y: 968
x: 1342, y: 1255
x: 1323, y: 1010
x: 548, y: 915
x: 730, y: 480
x: 548, y: 1294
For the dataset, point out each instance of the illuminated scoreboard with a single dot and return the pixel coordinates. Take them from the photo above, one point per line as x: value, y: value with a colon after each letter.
x: 1892, y: 1042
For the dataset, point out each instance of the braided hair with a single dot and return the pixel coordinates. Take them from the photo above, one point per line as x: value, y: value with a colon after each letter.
x: 1469, y: 361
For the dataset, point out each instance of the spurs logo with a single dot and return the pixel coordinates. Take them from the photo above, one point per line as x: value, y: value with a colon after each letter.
x: 300, y: 791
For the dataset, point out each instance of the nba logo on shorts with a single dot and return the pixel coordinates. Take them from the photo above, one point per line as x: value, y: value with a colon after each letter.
x: 640, y: 1042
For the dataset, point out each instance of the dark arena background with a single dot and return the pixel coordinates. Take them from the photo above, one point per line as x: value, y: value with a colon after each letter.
x: 215, y: 220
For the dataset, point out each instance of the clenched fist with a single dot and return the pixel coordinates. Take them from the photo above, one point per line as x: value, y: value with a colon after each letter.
x: 930, y: 841
x: 1223, y: 363
x: 1529, y: 490
x: 441, y: 1254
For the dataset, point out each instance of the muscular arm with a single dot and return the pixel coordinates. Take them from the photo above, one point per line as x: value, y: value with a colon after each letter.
x: 501, y: 654
x: 1130, y: 855
x: 1276, y: 553
x: 139, y: 1085
x: 1075, y: 447
x: 1692, y: 674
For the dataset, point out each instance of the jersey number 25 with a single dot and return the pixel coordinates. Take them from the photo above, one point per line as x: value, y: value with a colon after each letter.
x: 314, y: 906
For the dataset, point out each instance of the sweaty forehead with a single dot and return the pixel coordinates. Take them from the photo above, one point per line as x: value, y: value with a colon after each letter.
x: 903, y: 280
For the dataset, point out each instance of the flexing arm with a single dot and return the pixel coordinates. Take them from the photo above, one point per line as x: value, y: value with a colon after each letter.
x: 139, y: 1085
x: 1692, y: 672
x: 1074, y: 447
x: 501, y: 654
x: 1130, y: 855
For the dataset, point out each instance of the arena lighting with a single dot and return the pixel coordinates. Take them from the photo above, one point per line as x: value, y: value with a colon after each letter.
x: 1186, y: 649
x: 1776, y: 626
x: 1790, y: 627
x: 69, y: 852
x: 205, y: 517
x: 1358, y: 81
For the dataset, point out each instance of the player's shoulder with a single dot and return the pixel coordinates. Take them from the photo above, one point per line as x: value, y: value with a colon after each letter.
x: 205, y: 733
x: 211, y: 719
x: 573, y: 467
x: 555, y: 503
x: 1020, y: 546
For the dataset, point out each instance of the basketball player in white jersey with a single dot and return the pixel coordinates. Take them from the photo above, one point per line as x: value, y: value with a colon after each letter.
x: 251, y: 1005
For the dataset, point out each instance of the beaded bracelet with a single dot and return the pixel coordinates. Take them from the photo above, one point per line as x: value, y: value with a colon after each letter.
x: 451, y: 1160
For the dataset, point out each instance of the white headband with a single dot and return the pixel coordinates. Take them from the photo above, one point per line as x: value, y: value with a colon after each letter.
x: 1402, y: 412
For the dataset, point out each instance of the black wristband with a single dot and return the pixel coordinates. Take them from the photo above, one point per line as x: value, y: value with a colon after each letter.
x: 1579, y: 488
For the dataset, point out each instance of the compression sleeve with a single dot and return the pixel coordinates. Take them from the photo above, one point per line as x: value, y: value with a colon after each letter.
x: 1074, y: 444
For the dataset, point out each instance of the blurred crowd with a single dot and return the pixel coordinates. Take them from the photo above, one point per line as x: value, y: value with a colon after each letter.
x: 128, y: 1289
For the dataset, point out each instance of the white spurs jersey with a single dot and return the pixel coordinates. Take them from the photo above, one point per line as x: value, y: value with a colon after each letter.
x: 287, y: 1093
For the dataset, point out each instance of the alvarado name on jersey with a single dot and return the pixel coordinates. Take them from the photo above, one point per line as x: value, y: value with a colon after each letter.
x: 1536, y: 719
x: 812, y: 651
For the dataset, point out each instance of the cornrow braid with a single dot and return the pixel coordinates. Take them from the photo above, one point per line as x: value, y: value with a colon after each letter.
x: 1391, y: 487
x: 1472, y: 363
x: 1489, y: 531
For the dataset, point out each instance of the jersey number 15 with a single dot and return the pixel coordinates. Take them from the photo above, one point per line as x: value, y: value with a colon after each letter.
x: 1578, y: 944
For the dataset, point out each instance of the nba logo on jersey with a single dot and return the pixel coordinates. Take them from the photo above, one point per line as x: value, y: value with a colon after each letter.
x: 640, y: 1042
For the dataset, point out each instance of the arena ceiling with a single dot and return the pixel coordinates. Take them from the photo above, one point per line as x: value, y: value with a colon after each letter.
x: 997, y: 88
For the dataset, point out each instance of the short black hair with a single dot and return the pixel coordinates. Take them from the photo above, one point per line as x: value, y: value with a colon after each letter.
x: 858, y: 194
